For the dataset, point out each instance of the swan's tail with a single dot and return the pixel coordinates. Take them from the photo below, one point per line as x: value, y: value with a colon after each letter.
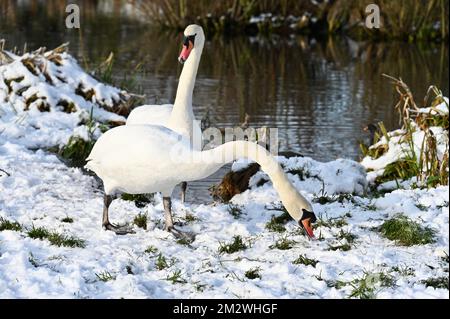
x: 91, y: 164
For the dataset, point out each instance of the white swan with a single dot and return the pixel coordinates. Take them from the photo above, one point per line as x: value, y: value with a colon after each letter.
x: 179, y: 117
x: 148, y: 158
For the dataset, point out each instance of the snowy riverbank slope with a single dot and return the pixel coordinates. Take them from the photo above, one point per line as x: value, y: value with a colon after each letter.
x: 52, y: 243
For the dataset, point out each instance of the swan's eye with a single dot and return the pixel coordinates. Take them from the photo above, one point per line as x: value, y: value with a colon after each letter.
x: 189, y: 38
x: 310, y: 215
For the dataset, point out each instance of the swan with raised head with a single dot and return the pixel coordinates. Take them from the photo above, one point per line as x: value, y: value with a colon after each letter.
x: 140, y: 159
x: 179, y: 117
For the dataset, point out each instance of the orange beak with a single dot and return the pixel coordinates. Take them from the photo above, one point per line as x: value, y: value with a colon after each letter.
x: 306, y: 224
x: 185, y: 52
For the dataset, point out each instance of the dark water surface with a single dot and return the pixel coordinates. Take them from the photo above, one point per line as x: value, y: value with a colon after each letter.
x: 319, y: 93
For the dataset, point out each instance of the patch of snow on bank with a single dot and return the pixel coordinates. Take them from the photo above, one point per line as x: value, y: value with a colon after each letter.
x: 398, y: 147
x: 341, y: 176
x: 44, y: 96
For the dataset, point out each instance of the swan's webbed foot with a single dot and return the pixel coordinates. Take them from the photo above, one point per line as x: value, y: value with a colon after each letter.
x: 119, y: 229
x: 180, y: 235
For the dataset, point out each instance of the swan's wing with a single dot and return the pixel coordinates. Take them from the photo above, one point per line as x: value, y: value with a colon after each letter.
x: 159, y: 115
x: 150, y: 115
x: 127, y: 140
x: 138, y: 158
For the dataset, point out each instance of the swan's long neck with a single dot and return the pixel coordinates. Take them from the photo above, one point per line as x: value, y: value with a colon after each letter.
x: 182, y: 115
x: 213, y: 159
x: 231, y: 151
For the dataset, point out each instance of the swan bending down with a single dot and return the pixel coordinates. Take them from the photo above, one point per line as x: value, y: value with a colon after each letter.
x: 179, y: 117
x: 140, y: 159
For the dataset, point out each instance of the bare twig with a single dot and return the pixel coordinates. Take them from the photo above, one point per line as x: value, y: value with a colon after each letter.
x: 2, y: 170
x: 406, y: 100
x: 5, y: 58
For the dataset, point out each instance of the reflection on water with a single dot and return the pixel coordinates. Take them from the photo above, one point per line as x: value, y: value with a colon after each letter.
x: 318, y: 93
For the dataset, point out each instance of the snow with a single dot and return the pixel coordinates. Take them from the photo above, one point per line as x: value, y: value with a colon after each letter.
x: 41, y: 190
x: 336, y: 177
x: 45, y: 129
x: 441, y: 108
x: 269, y: 17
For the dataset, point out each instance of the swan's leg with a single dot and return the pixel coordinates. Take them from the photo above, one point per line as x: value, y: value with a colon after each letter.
x: 107, y: 200
x: 119, y: 230
x: 183, y: 191
x: 167, y: 202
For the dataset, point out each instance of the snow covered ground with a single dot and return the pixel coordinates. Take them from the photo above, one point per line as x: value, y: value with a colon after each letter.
x: 349, y: 259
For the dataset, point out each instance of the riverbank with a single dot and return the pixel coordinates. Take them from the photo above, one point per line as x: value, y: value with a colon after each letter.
x: 404, y: 20
x: 400, y: 20
x: 52, y: 244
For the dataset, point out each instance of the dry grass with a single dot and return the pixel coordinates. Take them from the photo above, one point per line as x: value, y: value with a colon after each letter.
x: 406, y: 19
x: 400, y: 19
x: 428, y: 166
